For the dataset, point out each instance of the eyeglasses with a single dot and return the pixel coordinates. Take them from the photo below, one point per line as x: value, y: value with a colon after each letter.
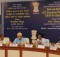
x: 19, y: 36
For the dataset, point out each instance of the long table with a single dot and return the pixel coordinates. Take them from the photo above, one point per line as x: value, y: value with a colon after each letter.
x: 6, y: 51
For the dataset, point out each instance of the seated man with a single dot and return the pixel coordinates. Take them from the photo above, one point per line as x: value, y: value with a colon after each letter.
x: 19, y: 40
x: 40, y: 39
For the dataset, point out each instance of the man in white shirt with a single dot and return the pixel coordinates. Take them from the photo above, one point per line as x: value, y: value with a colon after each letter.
x: 41, y: 40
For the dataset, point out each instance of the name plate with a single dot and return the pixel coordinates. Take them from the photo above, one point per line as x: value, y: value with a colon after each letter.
x: 13, y: 45
x: 41, y: 46
x: 28, y: 45
x: 53, y: 48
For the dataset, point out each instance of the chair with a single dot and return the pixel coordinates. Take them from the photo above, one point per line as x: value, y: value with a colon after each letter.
x: 6, y: 40
x: 27, y: 40
x: 47, y: 42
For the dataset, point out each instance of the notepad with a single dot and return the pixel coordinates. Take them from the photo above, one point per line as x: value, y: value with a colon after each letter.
x: 41, y: 46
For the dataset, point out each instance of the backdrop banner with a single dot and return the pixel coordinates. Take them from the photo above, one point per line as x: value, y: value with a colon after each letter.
x: 32, y: 15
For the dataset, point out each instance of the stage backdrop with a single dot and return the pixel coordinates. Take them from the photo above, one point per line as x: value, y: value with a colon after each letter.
x: 26, y: 16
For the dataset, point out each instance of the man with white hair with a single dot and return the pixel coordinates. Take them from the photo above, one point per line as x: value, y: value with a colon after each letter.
x: 19, y: 40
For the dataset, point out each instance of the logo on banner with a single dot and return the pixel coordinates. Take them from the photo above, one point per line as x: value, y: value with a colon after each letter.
x: 36, y: 7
